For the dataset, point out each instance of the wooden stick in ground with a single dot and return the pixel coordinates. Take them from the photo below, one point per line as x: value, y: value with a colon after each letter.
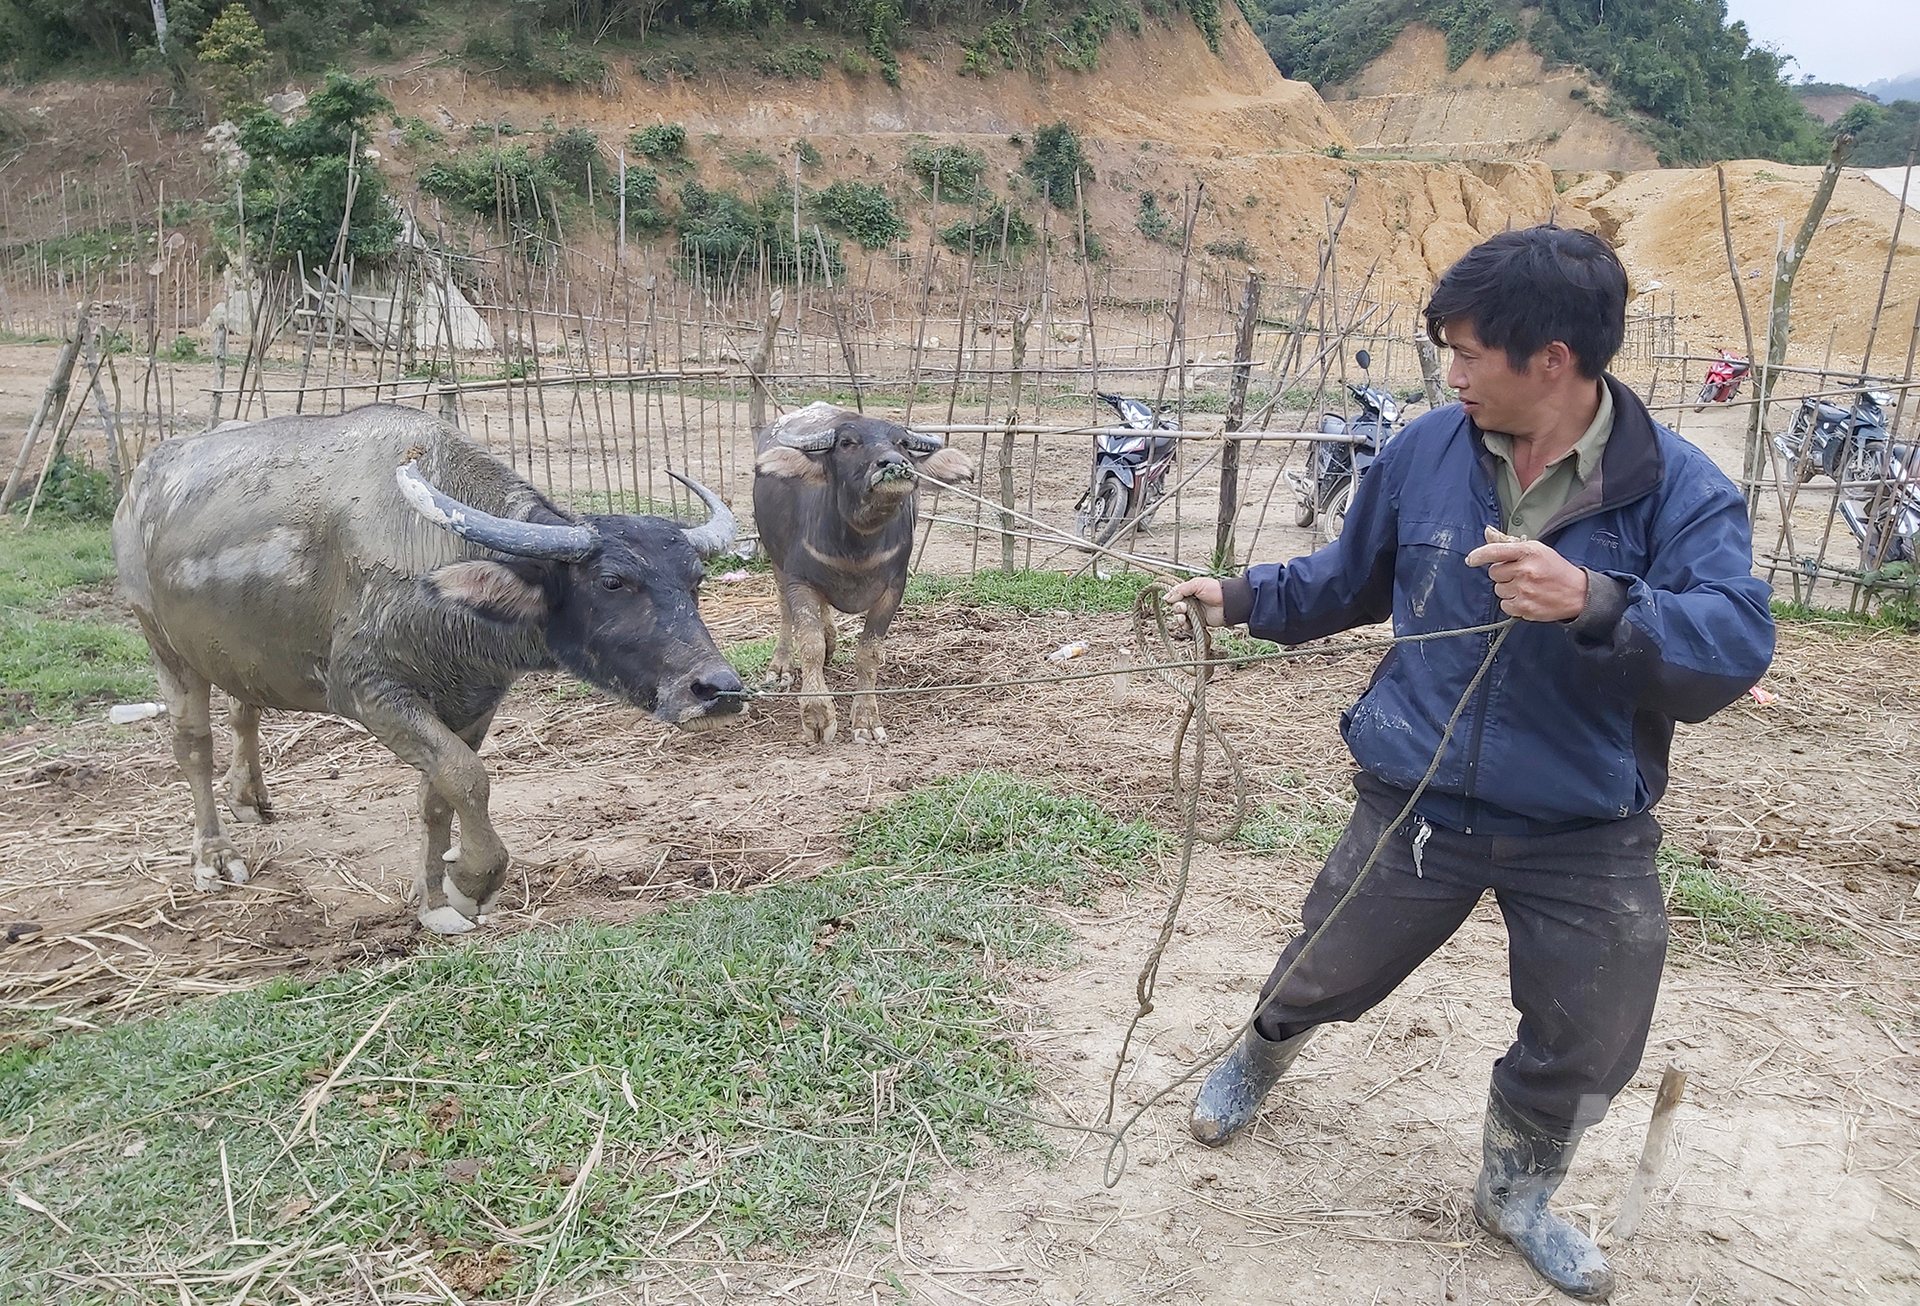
x: 1236, y: 414
x: 52, y: 403
x: 106, y: 416
x: 1672, y: 1084
x: 1755, y: 454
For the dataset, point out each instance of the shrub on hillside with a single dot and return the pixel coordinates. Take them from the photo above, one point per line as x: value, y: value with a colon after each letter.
x: 866, y: 213
x: 1055, y: 161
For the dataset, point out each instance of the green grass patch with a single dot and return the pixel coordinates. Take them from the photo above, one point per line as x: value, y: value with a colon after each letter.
x: 1723, y: 912
x: 1896, y: 610
x: 750, y: 657
x: 1033, y: 591
x: 53, y: 665
x: 1304, y: 828
x: 757, y: 1067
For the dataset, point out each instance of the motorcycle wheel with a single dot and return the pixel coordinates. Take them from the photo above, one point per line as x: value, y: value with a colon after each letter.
x: 1108, y: 511
x: 1706, y: 397
x: 1334, y: 514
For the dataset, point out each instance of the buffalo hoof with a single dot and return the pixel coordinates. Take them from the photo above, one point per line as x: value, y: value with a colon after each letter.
x: 214, y: 862
x: 446, y: 920
x: 875, y: 734
x: 817, y: 723
x: 460, y: 902
x: 247, y: 814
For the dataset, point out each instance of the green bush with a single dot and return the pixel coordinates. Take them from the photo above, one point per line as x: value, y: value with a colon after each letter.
x: 983, y: 234
x: 958, y: 169
x: 183, y: 350
x: 865, y: 213
x: 723, y: 233
x: 73, y: 491
x: 1153, y: 222
x: 1056, y: 159
x: 298, y: 175
x: 794, y: 62
x: 662, y: 142
x: 574, y: 158
x: 643, y: 200
x: 493, y: 178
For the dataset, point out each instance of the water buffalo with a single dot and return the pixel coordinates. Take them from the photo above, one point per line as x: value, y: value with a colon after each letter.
x: 375, y: 565
x: 833, y: 497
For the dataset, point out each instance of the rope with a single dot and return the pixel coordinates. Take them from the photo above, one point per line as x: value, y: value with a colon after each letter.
x: 1151, y: 608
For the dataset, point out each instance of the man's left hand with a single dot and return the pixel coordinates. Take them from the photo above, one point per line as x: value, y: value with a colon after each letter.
x: 1532, y: 581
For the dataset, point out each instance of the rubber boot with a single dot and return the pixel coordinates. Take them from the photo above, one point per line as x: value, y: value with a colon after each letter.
x: 1523, y: 1166
x: 1231, y: 1097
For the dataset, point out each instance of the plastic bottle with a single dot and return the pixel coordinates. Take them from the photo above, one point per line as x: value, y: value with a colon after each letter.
x: 122, y: 714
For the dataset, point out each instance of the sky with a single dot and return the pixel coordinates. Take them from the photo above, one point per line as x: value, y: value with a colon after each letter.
x: 1849, y: 41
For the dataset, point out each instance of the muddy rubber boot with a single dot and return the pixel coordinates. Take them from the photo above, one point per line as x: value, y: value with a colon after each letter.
x: 1231, y: 1097
x: 1523, y: 1166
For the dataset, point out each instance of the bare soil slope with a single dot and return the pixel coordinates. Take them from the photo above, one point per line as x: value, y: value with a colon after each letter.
x: 1500, y: 106
x: 1666, y: 226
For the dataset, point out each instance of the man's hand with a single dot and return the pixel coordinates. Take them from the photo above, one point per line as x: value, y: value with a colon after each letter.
x: 1532, y: 581
x: 1209, y: 602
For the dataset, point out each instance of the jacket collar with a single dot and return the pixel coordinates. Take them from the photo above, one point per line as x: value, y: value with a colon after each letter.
x: 1631, y: 466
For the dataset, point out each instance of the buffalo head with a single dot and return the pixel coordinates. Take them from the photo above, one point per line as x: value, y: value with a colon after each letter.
x: 871, y: 465
x: 616, y: 597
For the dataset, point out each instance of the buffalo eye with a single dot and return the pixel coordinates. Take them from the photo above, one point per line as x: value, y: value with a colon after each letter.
x: 611, y: 583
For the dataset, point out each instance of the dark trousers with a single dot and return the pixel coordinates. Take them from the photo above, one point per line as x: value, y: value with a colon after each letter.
x: 1587, y: 936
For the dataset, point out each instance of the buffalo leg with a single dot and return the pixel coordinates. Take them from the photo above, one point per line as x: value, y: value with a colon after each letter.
x: 470, y: 882
x: 780, y: 665
x: 245, y: 787
x: 812, y: 637
x: 868, y: 657
x: 187, y: 696
x: 436, y: 818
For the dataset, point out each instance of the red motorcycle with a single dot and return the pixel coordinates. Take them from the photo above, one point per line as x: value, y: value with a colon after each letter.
x: 1723, y: 380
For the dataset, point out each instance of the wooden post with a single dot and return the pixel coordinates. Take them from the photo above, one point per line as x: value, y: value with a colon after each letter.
x: 762, y: 364
x: 1236, y: 413
x: 1672, y: 1084
x: 1429, y: 368
x: 51, y: 403
x: 94, y: 362
x: 1021, y: 321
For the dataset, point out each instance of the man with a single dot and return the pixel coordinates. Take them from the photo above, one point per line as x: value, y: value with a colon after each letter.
x: 1631, y: 582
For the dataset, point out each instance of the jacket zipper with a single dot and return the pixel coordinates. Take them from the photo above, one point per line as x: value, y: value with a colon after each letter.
x: 1472, y: 808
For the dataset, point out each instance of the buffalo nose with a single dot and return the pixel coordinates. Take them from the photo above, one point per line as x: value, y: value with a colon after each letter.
x: 722, y: 681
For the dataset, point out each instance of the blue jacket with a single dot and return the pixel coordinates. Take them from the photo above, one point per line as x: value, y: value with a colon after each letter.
x: 1573, y: 722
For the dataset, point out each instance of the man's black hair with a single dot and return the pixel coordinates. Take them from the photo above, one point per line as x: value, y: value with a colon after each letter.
x: 1523, y: 290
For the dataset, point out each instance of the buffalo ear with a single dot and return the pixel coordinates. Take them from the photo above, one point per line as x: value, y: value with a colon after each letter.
x: 948, y: 465
x: 494, y: 590
x: 782, y: 460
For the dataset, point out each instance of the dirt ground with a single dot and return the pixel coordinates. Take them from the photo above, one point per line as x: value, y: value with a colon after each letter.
x: 1793, y: 1179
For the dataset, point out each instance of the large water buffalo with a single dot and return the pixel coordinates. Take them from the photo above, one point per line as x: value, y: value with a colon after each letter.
x: 375, y: 565
x: 833, y: 497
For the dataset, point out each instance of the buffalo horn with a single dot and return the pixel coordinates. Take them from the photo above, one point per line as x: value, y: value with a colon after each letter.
x: 918, y: 442
x: 523, y: 539
x: 716, y: 535
x: 811, y: 429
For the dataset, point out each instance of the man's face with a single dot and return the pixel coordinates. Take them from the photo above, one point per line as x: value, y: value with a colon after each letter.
x: 1496, y: 397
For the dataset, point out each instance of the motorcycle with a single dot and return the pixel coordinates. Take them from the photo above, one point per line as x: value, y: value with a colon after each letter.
x: 1723, y: 380
x: 1324, y: 492
x: 1846, y: 444
x: 1130, y: 465
x: 1884, y: 515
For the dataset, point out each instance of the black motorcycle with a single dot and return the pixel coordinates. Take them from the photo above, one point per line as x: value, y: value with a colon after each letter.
x: 1845, y: 443
x: 1130, y: 465
x: 1324, y: 491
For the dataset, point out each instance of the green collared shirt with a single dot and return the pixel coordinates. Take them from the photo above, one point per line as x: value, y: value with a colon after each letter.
x: 1528, y: 510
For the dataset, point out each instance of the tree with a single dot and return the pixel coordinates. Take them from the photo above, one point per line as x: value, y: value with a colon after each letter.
x: 300, y: 175
x: 233, y: 50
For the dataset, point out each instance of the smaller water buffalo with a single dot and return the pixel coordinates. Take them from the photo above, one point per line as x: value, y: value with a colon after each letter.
x: 833, y: 496
x: 375, y: 565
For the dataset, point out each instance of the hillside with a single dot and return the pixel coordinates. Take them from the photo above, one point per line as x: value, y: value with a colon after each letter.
x: 1675, y: 72
x: 1505, y: 105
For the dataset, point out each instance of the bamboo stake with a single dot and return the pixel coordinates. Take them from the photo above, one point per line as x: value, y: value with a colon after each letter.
x: 1672, y: 1084
x: 52, y: 402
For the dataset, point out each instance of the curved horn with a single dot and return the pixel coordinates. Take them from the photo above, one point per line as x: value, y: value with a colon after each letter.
x: 716, y: 536
x: 810, y: 429
x: 920, y: 442
x: 503, y: 534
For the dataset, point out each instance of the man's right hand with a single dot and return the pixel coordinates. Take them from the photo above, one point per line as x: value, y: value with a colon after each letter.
x: 1207, y: 599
